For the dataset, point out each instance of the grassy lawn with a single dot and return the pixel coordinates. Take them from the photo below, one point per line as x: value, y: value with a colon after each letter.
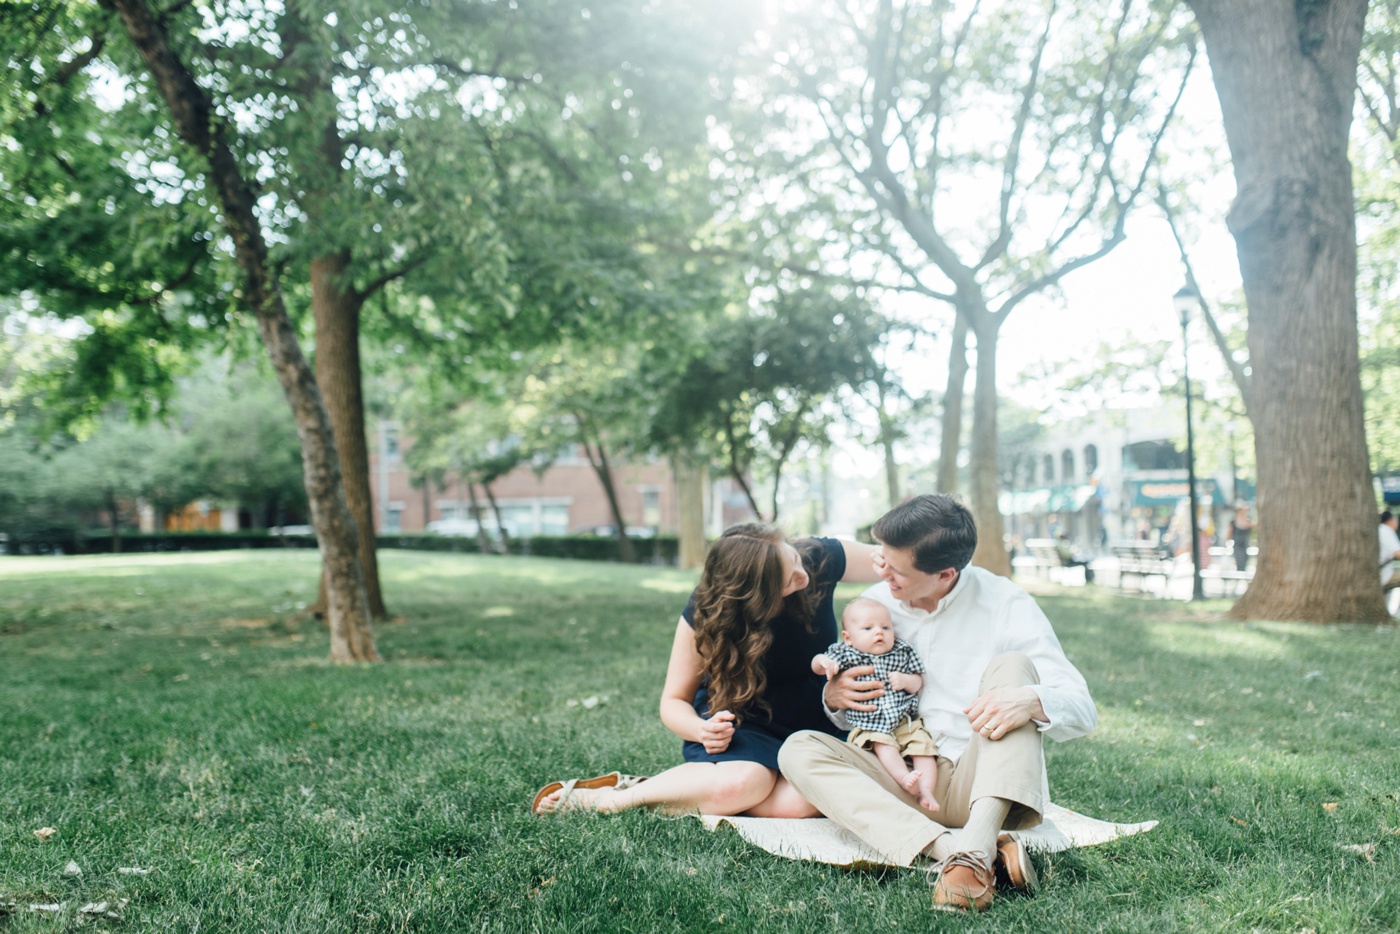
x: 176, y: 714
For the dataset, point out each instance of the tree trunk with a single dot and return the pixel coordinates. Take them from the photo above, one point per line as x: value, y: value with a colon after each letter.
x: 204, y: 129
x: 114, y: 515
x: 736, y: 471
x: 338, y: 373
x: 950, y: 445
x: 1286, y: 77
x: 991, y: 549
x: 598, y: 458
x: 888, y: 433
x: 483, y: 541
x: 504, y: 544
x: 690, y: 499
x: 784, y: 452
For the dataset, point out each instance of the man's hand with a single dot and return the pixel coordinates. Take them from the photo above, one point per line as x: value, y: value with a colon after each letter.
x: 716, y: 732
x: 853, y: 689
x: 998, y: 712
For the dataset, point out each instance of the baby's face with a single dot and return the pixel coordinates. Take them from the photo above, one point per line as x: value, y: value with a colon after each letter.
x: 868, y: 629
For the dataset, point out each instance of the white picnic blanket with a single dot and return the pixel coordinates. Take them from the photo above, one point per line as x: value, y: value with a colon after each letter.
x: 821, y: 840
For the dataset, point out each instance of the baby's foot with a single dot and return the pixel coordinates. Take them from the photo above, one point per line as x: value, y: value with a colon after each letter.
x: 927, y: 803
x: 910, y: 782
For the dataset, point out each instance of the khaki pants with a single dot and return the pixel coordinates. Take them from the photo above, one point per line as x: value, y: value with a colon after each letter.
x: 851, y: 787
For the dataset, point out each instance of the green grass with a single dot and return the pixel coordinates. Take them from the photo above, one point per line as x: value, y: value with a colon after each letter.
x: 176, y: 714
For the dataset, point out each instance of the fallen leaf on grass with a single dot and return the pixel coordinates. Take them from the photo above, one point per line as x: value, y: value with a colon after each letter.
x: 1330, y: 806
x: 72, y: 869
x: 1240, y: 822
x: 43, y: 833
x: 133, y: 871
x: 104, y: 909
x: 1367, y: 850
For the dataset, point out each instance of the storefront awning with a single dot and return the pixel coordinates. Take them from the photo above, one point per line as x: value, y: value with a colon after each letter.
x: 1171, y: 492
x: 1023, y: 502
x: 1045, y: 500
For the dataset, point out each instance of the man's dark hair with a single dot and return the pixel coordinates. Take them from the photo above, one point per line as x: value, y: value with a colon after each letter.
x: 1386, y: 516
x: 938, y: 529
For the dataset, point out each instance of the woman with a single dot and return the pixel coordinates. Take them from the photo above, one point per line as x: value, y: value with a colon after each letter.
x: 739, y: 681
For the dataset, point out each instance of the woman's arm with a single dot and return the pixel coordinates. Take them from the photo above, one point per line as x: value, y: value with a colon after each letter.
x: 860, y: 562
x: 677, y: 695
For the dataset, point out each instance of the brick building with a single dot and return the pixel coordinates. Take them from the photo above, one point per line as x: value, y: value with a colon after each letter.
x: 564, y: 498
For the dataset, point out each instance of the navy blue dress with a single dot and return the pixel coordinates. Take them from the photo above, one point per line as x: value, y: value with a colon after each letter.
x: 792, y: 691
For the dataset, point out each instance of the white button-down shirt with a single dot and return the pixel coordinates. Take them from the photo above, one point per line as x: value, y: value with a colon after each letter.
x: 983, y: 616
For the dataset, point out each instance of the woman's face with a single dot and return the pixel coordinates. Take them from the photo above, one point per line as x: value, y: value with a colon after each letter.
x: 795, y: 576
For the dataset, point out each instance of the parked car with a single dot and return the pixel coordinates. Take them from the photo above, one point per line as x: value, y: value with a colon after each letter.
x: 290, y: 530
x: 465, y: 527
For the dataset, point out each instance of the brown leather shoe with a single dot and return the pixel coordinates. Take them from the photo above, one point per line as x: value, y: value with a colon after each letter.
x: 1013, y: 860
x: 965, y: 881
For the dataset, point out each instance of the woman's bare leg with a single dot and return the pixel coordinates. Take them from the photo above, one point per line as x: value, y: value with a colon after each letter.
x: 707, y: 787
x: 783, y: 802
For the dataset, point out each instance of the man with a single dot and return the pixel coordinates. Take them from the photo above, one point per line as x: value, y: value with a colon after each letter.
x: 995, y: 680
x: 1390, y: 553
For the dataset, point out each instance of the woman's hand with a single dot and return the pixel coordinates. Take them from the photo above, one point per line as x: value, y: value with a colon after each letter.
x: 1002, y: 710
x: 716, y: 732
x: 853, y: 689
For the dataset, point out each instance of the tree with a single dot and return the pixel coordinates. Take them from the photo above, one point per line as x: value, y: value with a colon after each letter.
x: 997, y: 149
x: 207, y: 132
x: 1376, y: 155
x: 1286, y: 77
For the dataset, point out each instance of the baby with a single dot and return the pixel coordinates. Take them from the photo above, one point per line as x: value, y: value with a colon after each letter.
x: 893, y: 730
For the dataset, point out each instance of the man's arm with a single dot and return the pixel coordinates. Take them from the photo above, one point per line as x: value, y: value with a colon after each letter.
x: 1060, y: 704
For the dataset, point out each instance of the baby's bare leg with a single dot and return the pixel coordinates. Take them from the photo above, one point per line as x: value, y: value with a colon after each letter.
x: 926, y: 767
x: 894, y: 764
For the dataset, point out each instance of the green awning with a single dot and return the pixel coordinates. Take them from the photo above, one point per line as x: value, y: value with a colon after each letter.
x: 1171, y: 492
x: 1045, y: 500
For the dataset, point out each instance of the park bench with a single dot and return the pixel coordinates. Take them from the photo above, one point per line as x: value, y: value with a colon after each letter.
x: 1222, y: 568
x: 1043, y: 558
x: 1141, y: 560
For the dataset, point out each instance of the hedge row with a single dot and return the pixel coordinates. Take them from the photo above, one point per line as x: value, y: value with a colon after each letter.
x: 661, y: 550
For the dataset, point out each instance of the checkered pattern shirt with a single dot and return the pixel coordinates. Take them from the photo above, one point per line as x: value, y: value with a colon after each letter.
x: 893, y: 706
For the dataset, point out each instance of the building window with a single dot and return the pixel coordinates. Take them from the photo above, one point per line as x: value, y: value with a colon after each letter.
x: 1067, y: 466
x: 1049, y: 477
x: 651, y: 506
x: 393, y: 519
x: 391, y: 443
x: 554, y: 520
x: 1091, y: 461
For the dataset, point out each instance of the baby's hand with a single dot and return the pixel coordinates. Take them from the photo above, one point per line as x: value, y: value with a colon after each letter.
x: 902, y: 681
x: 831, y: 668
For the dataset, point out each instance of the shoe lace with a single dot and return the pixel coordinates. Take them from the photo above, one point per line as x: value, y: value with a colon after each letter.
x: 972, y: 859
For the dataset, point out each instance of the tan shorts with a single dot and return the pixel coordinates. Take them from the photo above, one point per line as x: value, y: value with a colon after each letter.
x: 909, y: 736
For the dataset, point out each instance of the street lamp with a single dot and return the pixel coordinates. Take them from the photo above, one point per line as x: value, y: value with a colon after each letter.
x: 1186, y: 300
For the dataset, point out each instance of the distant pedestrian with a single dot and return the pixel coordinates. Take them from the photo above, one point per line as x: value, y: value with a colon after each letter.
x: 1390, y: 554
x: 1241, y: 528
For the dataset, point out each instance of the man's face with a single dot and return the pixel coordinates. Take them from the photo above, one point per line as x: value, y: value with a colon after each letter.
x: 909, y: 584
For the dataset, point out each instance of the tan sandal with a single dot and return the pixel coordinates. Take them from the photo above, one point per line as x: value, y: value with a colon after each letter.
x: 614, y: 780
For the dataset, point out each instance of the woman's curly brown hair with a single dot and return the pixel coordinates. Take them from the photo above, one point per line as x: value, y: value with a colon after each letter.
x: 739, y: 596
